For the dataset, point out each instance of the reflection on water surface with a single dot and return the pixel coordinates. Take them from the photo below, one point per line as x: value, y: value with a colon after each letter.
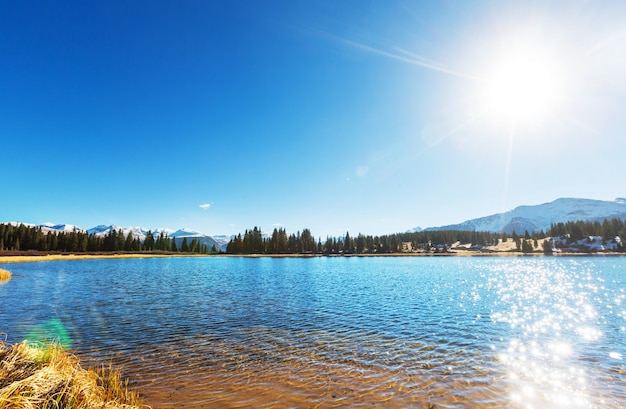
x: 341, y: 332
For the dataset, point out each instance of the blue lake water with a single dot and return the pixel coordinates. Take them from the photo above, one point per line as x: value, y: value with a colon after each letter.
x: 423, y: 332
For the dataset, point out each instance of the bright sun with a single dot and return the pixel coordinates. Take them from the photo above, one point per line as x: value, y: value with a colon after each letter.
x: 522, y: 87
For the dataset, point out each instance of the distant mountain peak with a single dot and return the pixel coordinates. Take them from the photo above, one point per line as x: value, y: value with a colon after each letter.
x: 51, y: 227
x: 541, y: 217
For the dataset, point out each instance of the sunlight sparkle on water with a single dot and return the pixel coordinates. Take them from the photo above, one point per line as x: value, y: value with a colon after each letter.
x: 543, y: 309
x: 589, y: 333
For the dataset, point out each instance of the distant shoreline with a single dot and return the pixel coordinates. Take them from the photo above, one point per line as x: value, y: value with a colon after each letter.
x: 450, y: 253
x: 28, y: 257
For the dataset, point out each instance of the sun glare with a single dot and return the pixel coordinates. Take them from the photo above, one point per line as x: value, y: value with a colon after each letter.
x: 522, y: 87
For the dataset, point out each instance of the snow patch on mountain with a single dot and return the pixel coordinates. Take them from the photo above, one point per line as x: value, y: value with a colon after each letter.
x: 17, y: 224
x: 104, y: 230
x: 222, y: 240
x: 186, y: 233
x: 57, y: 228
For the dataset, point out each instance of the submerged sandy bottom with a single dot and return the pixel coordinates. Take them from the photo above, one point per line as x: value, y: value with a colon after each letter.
x: 273, y: 373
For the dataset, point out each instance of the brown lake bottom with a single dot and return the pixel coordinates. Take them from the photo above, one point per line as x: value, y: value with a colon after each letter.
x: 227, y: 375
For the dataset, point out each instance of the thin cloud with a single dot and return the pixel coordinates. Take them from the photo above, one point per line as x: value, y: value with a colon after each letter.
x: 362, y: 170
x: 205, y: 206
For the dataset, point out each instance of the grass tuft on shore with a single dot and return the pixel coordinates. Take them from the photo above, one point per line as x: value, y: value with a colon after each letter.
x: 5, y: 275
x: 50, y: 377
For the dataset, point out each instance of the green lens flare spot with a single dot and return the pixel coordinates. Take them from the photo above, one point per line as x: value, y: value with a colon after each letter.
x: 51, y: 331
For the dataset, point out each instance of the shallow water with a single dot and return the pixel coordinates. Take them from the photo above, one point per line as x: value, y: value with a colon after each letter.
x: 340, y: 332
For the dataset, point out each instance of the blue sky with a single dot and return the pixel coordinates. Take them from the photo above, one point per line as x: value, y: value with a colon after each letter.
x: 360, y: 116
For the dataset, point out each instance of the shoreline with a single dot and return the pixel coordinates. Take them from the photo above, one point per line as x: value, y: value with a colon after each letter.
x: 29, y: 258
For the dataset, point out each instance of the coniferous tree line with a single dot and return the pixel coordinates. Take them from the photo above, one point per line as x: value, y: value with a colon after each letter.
x: 25, y: 238
x: 253, y: 242
x: 607, y: 229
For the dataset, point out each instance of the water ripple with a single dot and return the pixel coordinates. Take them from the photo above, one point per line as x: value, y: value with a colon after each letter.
x: 341, y: 332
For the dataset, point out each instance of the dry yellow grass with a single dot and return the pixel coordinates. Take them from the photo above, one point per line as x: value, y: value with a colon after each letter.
x: 50, y: 378
x: 5, y: 275
x: 53, y: 257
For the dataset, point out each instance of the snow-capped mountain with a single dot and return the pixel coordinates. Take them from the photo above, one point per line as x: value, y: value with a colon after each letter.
x: 202, y: 238
x: 223, y: 240
x: 186, y: 233
x: 102, y: 230
x: 51, y: 227
x: 540, y: 217
x: 138, y: 233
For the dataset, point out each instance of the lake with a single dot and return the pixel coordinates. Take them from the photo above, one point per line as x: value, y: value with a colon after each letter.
x: 393, y: 332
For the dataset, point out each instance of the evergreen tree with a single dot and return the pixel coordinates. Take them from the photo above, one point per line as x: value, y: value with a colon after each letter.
x: 195, y: 246
x: 395, y: 244
x: 253, y: 241
x: 348, y: 245
x: 273, y: 244
x: 292, y: 243
x: 149, y: 242
x: 526, y: 247
x: 547, y: 247
x: 282, y: 241
x: 307, y: 241
x: 121, y: 239
x: 84, y: 242
x: 160, y: 242
x: 518, y: 242
x: 360, y: 244
x: 184, y: 247
x: 328, y: 245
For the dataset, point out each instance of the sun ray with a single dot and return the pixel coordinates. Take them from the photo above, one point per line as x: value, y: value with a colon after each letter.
x: 414, y: 59
x: 507, y: 169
